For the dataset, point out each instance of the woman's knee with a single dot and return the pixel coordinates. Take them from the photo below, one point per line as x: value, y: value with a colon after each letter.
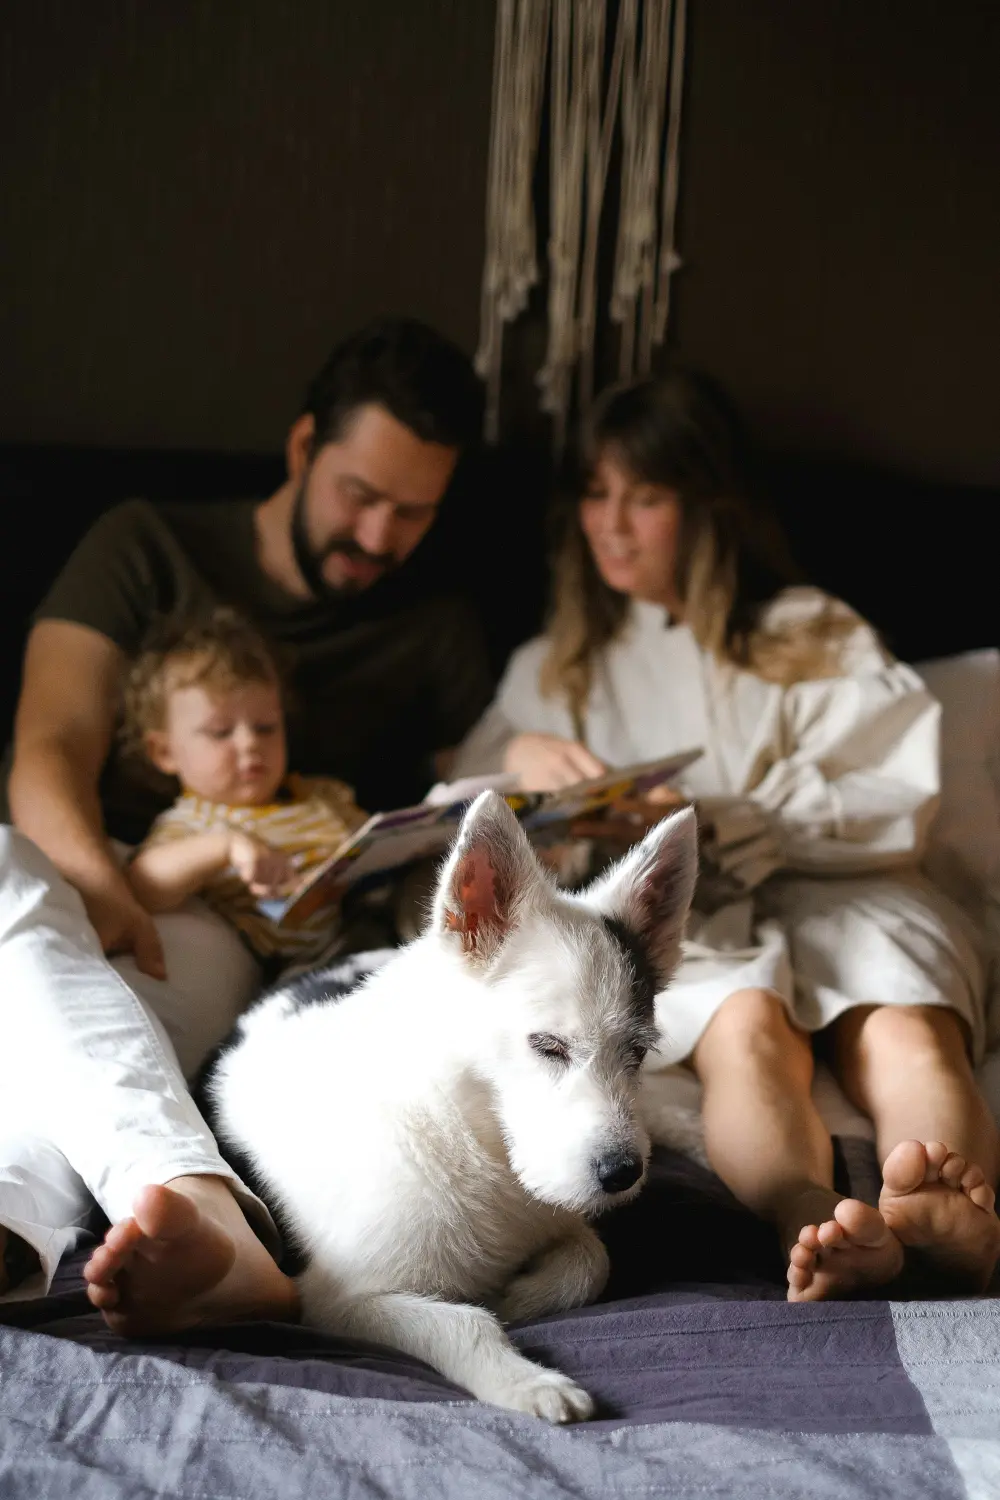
x: 753, y: 1013
x: 907, y: 1037
x: 753, y: 1026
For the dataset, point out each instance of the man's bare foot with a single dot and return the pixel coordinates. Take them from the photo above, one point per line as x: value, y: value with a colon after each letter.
x: 847, y: 1253
x: 186, y: 1258
x: 937, y: 1204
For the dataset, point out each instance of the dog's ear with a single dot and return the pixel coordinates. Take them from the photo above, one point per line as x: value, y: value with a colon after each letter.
x: 650, y: 890
x: 488, y: 875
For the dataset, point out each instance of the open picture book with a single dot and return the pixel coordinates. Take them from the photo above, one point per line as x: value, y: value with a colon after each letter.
x: 390, y: 840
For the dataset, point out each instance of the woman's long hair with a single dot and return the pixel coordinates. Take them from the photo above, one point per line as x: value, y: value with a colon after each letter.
x: 680, y: 431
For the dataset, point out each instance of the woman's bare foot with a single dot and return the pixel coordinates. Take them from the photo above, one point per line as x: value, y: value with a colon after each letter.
x: 186, y: 1258
x: 939, y: 1205
x: 851, y: 1251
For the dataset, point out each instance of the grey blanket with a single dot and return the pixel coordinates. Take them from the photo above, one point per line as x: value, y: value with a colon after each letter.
x: 708, y: 1383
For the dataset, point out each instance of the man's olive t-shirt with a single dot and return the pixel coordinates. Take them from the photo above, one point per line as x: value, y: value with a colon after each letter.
x: 380, y: 682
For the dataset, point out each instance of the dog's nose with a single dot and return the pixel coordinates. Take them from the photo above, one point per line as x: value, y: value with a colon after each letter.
x: 616, y: 1172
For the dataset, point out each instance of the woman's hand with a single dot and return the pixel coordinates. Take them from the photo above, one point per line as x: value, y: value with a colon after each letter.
x: 629, y: 819
x: 546, y: 763
x: 263, y: 869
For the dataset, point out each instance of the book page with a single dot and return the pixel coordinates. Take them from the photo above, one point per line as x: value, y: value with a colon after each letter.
x: 390, y: 840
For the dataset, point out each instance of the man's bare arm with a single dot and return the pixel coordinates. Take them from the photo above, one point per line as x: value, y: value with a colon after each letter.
x: 62, y: 733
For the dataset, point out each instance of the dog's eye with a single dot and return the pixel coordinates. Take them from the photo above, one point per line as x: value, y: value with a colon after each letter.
x: 549, y: 1046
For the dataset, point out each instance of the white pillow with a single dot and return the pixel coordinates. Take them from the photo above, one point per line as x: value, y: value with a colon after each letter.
x: 964, y: 846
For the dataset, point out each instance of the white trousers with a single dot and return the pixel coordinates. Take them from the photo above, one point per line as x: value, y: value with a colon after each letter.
x: 94, y: 1056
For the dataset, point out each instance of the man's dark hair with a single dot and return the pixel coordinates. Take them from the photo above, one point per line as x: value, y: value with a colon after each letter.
x: 400, y: 364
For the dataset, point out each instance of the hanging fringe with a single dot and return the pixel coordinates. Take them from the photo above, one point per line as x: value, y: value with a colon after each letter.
x: 641, y: 94
x: 567, y: 152
x: 670, y: 261
x: 510, y: 268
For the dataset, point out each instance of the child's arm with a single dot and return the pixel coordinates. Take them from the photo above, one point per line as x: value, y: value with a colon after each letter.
x: 164, y: 875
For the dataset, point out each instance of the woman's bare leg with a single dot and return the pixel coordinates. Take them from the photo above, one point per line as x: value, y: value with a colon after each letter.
x: 908, y: 1068
x: 766, y: 1141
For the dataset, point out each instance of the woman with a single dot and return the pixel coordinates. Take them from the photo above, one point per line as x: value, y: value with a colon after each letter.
x: 678, y: 622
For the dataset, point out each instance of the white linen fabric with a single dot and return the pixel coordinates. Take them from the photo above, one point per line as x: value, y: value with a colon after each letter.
x: 93, y: 1056
x: 846, y: 770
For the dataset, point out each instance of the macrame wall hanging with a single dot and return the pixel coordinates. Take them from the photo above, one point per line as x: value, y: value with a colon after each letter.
x: 602, y: 90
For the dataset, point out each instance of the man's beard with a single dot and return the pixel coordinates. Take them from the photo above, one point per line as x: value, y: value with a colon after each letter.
x: 309, y: 559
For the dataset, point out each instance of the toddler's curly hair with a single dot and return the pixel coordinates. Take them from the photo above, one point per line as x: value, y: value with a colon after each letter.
x: 219, y: 651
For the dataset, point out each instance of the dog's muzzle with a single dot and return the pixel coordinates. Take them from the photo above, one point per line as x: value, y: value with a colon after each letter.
x: 617, y: 1171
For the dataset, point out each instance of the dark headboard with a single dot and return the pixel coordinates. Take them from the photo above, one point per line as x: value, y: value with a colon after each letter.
x: 916, y: 558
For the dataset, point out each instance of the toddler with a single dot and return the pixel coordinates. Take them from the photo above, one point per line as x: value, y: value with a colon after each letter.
x: 204, y: 703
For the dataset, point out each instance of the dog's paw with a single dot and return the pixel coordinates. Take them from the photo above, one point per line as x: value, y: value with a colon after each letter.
x: 543, y: 1393
x: 570, y: 1273
x: 522, y: 1298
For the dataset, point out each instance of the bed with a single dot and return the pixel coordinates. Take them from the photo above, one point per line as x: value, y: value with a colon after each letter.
x: 707, y: 1381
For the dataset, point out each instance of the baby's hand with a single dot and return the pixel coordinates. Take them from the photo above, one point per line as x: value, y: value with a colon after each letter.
x: 263, y: 869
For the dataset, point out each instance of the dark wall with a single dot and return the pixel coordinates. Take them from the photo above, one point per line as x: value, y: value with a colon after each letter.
x: 199, y: 196
x: 841, y: 224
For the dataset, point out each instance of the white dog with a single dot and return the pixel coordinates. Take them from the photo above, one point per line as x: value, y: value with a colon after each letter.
x: 437, y: 1140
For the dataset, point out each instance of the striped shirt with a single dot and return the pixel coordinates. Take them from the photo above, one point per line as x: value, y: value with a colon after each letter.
x: 308, y: 823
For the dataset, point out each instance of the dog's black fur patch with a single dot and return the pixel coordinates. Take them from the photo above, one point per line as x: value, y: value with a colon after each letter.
x: 644, y: 981
x: 320, y: 986
x: 316, y: 987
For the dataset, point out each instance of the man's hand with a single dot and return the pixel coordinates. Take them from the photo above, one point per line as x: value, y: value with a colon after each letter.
x: 263, y: 869
x: 124, y: 926
x: 546, y: 763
